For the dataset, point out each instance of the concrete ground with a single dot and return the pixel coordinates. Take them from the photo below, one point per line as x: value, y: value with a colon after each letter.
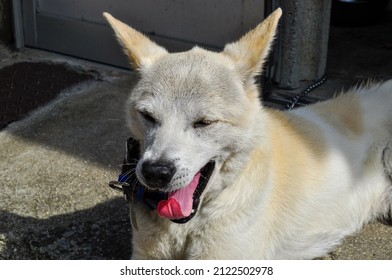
x: 55, y: 165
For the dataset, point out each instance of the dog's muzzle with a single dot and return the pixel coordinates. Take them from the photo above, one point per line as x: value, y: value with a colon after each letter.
x: 134, y: 191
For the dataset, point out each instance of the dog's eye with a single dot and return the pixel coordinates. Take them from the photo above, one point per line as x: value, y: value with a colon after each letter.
x: 202, y: 123
x: 147, y: 116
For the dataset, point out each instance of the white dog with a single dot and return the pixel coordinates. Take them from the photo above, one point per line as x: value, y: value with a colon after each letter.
x: 234, y: 180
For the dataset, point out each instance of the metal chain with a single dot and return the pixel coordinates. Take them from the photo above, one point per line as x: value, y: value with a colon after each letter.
x: 294, y: 101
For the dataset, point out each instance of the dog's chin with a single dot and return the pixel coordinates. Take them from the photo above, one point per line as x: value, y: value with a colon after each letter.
x: 182, y: 204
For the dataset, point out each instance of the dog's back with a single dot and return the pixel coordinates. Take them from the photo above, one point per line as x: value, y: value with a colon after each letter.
x: 337, y: 169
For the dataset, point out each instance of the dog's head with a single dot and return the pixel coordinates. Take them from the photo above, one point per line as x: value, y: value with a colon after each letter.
x: 192, y: 110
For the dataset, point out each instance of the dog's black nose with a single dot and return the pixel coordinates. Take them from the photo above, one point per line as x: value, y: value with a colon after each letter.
x: 158, y: 174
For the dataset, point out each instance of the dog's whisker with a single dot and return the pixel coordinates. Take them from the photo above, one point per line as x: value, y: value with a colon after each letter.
x: 129, y: 172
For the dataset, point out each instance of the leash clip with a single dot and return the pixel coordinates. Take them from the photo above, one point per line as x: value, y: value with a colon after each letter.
x: 123, y: 187
x: 127, y: 175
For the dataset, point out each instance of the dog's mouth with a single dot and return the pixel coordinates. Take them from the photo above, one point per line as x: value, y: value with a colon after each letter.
x: 181, y: 205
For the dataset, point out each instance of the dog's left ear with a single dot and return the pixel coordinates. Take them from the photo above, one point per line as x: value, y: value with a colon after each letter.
x: 141, y: 51
x: 250, y: 52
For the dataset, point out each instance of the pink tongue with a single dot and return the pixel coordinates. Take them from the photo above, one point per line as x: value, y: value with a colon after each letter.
x: 180, y: 202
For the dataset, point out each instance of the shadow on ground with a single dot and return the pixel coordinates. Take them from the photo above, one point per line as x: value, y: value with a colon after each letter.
x: 102, y: 232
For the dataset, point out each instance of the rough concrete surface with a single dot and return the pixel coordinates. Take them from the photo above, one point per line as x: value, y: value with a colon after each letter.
x: 55, y: 165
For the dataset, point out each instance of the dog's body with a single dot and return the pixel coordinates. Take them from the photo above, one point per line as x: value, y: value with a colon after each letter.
x: 284, y: 185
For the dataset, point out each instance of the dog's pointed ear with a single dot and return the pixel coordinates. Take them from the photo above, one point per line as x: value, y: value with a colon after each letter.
x: 141, y: 51
x: 250, y: 52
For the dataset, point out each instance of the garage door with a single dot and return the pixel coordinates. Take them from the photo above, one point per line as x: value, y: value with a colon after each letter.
x: 77, y: 28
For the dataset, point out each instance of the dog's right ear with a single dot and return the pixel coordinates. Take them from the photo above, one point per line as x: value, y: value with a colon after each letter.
x: 141, y: 51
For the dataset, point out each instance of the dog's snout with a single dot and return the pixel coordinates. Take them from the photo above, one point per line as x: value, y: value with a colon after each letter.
x: 158, y: 174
